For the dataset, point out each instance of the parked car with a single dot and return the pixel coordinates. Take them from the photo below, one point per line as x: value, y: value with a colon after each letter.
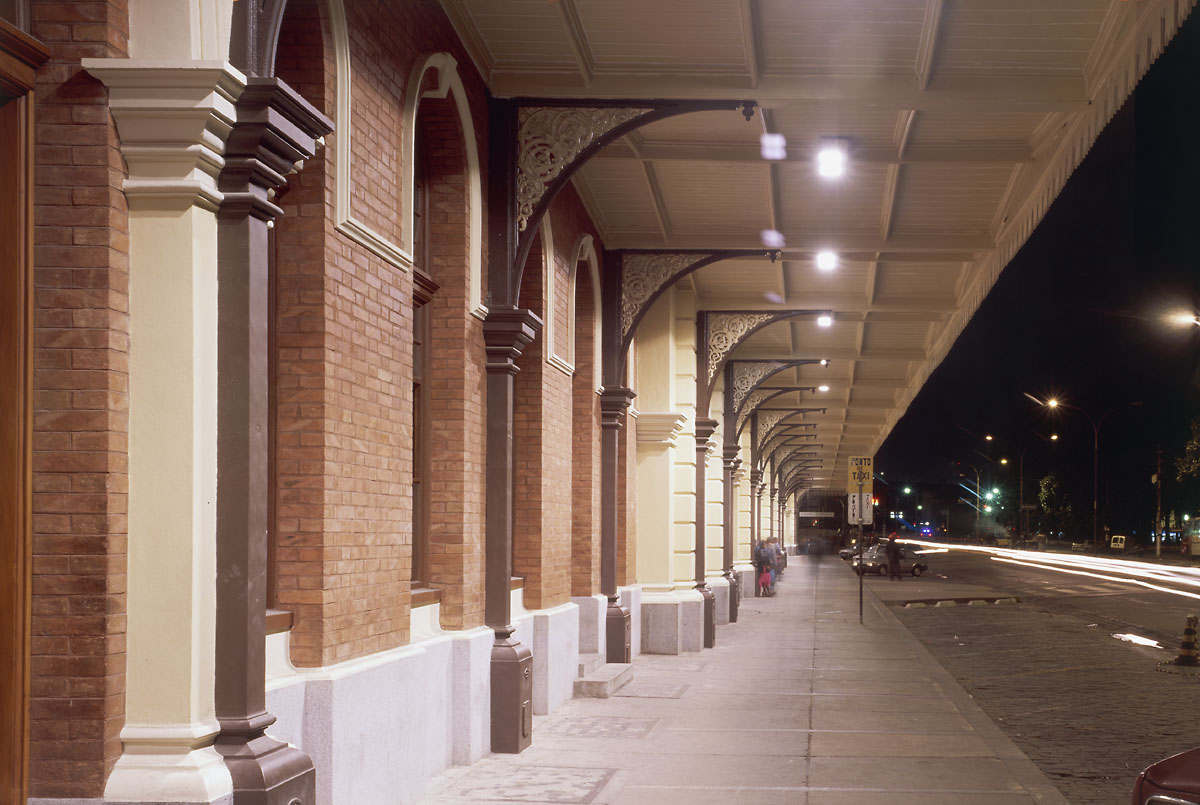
x: 849, y: 552
x: 1174, y: 781
x: 874, y: 560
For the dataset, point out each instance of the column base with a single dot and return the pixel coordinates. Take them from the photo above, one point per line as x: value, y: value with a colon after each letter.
x: 735, y: 594
x: 266, y: 771
x: 710, y: 616
x: 618, y: 644
x: 169, y: 764
x: 512, y: 696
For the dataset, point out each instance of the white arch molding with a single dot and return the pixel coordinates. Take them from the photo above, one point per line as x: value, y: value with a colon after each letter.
x: 449, y: 83
x: 585, y: 252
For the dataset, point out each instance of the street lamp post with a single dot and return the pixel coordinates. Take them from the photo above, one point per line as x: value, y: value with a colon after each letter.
x: 1096, y: 423
x: 1022, y: 522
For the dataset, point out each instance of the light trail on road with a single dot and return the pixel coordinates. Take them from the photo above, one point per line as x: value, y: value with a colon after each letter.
x: 1128, y: 571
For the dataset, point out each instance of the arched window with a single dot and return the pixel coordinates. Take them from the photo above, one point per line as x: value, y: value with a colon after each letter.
x: 423, y: 291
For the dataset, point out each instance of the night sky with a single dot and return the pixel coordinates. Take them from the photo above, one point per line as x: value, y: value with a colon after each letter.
x: 1079, y: 314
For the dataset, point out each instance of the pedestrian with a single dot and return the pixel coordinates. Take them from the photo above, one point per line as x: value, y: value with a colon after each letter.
x: 762, y: 561
x: 892, y: 551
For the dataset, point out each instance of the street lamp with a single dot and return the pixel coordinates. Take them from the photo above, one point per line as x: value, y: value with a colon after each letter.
x: 1022, y: 521
x: 1096, y: 423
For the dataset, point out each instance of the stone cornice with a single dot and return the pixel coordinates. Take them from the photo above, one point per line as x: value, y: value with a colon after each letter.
x: 659, y: 427
x: 174, y: 119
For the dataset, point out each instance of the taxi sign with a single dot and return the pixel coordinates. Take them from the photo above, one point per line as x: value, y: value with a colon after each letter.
x: 861, y: 472
x: 860, y: 510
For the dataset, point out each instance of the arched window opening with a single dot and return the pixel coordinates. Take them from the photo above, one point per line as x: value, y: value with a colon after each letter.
x: 585, y: 436
x: 424, y: 289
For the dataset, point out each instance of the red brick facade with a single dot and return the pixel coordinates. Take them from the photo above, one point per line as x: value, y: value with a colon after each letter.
x: 342, y: 345
x: 81, y: 385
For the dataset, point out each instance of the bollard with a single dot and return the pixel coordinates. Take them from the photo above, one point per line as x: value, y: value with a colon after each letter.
x: 1187, y: 646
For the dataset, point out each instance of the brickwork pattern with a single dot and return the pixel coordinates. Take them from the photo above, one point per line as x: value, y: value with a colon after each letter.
x: 585, y: 443
x: 542, y: 459
x: 81, y: 377
x: 344, y: 334
x: 457, y: 381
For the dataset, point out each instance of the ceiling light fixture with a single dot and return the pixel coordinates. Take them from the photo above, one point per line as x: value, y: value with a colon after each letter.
x: 832, y: 159
x: 822, y: 388
x: 825, y: 320
x: 827, y: 260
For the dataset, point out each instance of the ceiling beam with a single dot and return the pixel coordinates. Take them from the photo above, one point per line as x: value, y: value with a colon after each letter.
x: 961, y: 92
x: 927, y: 45
x: 469, y: 35
x: 660, y: 205
x: 809, y: 243
x: 891, y: 182
x: 1003, y: 153
x: 835, y: 354
x: 577, y: 39
x: 752, y: 40
x: 904, y: 124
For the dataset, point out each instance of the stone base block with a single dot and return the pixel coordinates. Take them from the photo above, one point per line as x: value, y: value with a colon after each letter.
x: 377, y: 728
x: 672, y: 623
x: 604, y: 681
x: 631, y: 598
x: 748, y: 578
x: 592, y: 609
x: 721, y: 591
x: 555, y: 656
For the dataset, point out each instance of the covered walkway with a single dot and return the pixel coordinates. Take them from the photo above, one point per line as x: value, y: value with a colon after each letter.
x: 797, y: 704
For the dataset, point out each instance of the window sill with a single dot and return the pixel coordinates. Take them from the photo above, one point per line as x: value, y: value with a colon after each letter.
x: 279, y: 620
x: 425, y: 596
x: 516, y: 583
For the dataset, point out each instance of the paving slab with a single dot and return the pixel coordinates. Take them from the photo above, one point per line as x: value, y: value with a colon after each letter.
x: 798, y: 703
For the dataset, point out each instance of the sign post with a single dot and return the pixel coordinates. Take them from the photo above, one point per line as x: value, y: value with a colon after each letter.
x: 861, y: 510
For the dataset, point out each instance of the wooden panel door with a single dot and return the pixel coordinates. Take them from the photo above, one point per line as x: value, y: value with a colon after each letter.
x: 19, y: 57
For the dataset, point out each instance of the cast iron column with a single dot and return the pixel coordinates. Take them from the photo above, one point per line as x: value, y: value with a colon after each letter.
x: 755, y: 523
x: 704, y: 430
x: 275, y: 129
x: 730, y: 462
x: 614, y: 403
x: 506, y: 331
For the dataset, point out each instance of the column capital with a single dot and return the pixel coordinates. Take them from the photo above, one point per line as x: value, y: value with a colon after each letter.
x: 174, y: 119
x: 614, y: 403
x: 705, y: 428
x: 730, y: 454
x: 275, y: 130
x: 506, y: 333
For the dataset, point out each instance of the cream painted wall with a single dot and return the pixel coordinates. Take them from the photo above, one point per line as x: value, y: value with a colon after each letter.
x: 684, y: 326
x: 172, y: 467
x: 657, y: 449
x: 714, y: 500
x: 175, y: 30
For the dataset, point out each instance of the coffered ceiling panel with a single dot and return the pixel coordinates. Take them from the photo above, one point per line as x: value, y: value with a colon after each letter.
x: 961, y: 118
x: 833, y: 37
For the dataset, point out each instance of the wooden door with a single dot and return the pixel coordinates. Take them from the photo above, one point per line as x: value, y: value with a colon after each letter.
x: 19, y: 57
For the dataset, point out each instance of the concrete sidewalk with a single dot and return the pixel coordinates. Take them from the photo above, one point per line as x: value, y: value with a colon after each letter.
x: 797, y: 704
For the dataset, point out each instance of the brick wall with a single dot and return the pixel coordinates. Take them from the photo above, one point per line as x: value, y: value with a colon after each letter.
x: 80, y: 458
x: 541, y: 509
x: 344, y: 336
x: 585, y: 444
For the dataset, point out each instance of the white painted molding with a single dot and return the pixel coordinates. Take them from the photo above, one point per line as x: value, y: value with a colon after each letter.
x: 173, y: 118
x: 343, y: 218
x: 585, y: 251
x: 561, y: 365
x: 655, y: 427
x: 449, y: 85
